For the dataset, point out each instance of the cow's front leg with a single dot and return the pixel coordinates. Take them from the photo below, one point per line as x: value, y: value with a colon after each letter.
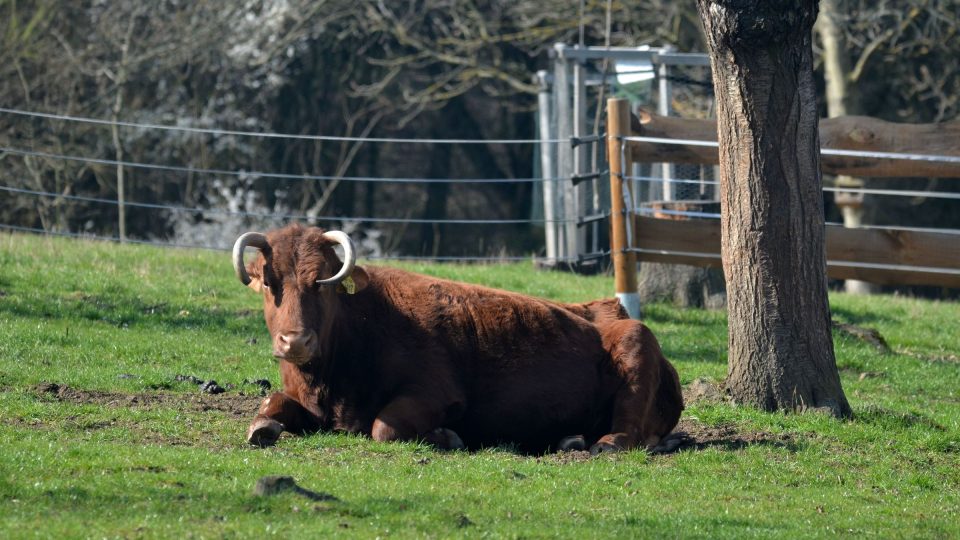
x: 280, y: 412
x: 409, y: 418
x: 630, y: 411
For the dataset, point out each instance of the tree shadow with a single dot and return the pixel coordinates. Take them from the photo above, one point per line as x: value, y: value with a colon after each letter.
x: 693, y: 436
x: 894, y: 420
x: 848, y: 316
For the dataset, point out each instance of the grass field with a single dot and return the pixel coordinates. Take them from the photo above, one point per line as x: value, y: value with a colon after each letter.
x: 99, y: 439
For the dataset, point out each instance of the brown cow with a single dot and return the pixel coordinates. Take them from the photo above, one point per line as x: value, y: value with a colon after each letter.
x: 402, y: 356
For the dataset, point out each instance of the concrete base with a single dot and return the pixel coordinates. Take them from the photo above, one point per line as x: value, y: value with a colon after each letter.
x: 855, y: 286
x: 853, y: 218
x: 631, y: 303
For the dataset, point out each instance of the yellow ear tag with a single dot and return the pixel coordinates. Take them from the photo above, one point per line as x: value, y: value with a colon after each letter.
x: 349, y: 285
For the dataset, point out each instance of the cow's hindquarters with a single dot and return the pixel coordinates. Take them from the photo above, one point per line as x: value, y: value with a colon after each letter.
x: 648, y: 404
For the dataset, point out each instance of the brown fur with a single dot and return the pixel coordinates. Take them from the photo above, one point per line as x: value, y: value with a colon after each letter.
x: 408, y: 354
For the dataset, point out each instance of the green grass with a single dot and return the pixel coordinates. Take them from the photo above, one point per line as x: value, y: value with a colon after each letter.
x: 133, y: 453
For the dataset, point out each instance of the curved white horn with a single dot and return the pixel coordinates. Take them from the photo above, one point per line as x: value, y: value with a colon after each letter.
x: 349, y: 256
x: 252, y: 239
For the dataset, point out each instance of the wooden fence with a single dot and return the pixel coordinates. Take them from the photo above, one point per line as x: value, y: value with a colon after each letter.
x: 877, y: 255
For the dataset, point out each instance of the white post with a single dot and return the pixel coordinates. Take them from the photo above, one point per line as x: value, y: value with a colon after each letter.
x: 664, y: 109
x: 581, y: 162
x: 565, y: 165
x: 851, y: 206
x: 548, y: 167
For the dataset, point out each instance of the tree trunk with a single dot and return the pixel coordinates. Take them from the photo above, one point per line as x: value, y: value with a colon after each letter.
x: 780, y: 346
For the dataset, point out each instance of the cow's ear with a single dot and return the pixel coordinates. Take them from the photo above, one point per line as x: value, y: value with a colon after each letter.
x: 256, y: 277
x: 355, y: 282
x: 360, y: 278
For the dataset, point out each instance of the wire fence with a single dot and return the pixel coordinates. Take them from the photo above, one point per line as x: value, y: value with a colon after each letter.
x: 254, y: 175
x: 238, y: 213
x: 23, y: 189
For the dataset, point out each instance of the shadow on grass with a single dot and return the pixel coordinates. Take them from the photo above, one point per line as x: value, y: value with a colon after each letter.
x: 127, y: 310
x: 850, y: 317
x: 729, y: 437
x: 679, y: 354
x: 664, y: 314
x: 894, y: 420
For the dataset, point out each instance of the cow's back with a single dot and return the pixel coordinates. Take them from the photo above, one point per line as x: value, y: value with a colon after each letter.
x: 530, y: 369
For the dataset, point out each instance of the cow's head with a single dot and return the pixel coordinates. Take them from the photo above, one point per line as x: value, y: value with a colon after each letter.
x: 300, y: 276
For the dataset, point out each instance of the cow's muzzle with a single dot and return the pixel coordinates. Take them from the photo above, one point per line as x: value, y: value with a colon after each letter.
x: 296, y: 347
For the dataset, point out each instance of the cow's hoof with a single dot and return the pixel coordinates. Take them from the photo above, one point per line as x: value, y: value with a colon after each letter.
x: 604, y: 448
x: 264, y: 432
x: 574, y: 443
x: 671, y: 443
x: 445, y: 439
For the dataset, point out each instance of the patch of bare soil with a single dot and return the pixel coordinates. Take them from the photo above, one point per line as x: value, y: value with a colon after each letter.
x: 869, y: 335
x: 689, y: 435
x: 234, y: 405
x: 935, y: 358
x: 703, y: 390
x: 566, y: 457
x: 726, y: 436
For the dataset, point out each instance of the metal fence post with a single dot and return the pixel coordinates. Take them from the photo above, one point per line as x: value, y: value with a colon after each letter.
x: 624, y: 259
x: 563, y: 93
x: 665, y: 93
x: 581, y: 165
x: 548, y: 166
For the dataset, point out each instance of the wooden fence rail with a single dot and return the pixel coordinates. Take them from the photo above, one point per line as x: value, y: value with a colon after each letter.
x: 877, y: 255
x: 882, y: 256
x: 842, y: 133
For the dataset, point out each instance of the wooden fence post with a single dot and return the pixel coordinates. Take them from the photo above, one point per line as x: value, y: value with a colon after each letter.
x: 618, y: 156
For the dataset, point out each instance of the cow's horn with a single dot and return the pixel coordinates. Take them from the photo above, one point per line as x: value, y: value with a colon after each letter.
x: 349, y: 257
x: 252, y: 239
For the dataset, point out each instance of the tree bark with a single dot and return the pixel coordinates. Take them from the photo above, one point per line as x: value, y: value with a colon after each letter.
x: 780, y: 347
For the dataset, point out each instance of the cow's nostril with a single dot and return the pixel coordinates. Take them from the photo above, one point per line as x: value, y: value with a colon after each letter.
x: 294, y: 344
x: 293, y: 338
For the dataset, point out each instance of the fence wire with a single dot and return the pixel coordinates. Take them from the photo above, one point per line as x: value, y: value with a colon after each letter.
x: 262, y: 174
x: 862, y: 191
x: 823, y: 151
x: 216, y: 211
x: 267, y: 135
x: 167, y: 244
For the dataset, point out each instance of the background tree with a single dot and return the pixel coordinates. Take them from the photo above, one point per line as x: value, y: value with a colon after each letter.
x: 842, y: 99
x: 780, y: 346
x: 333, y: 67
x: 341, y: 67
